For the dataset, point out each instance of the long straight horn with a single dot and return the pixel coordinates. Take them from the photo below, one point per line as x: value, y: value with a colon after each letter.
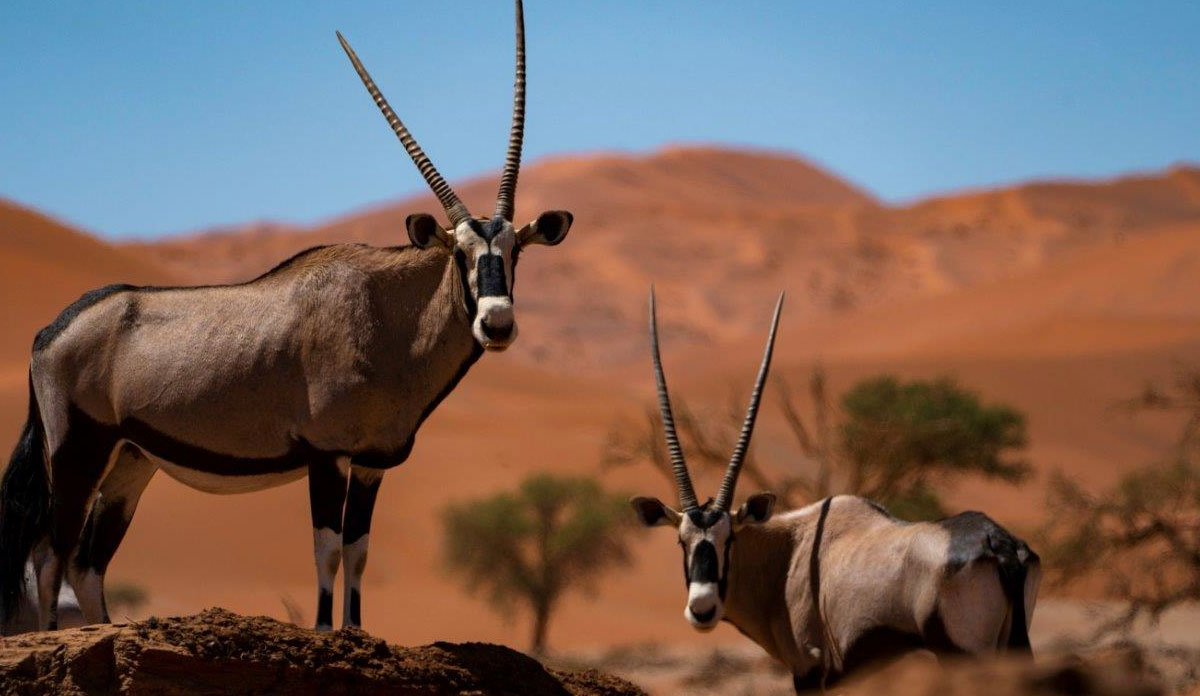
x: 725, y: 495
x: 683, y: 482
x: 505, y: 199
x: 454, y: 207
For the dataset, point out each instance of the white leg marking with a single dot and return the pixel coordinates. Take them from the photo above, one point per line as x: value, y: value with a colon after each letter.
x: 355, y: 559
x: 328, y: 546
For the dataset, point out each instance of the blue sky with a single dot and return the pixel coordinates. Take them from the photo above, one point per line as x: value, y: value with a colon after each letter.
x: 136, y: 119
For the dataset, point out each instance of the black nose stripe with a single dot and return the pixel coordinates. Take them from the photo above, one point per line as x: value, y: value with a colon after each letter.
x: 491, y: 280
x: 704, y: 563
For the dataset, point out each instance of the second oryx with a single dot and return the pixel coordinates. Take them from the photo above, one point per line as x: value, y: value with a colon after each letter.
x: 840, y: 583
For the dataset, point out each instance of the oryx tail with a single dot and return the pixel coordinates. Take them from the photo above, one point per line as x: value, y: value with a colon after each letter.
x: 24, y: 507
x: 1013, y: 558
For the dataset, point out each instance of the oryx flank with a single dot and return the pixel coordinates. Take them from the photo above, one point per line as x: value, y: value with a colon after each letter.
x: 325, y: 366
x: 839, y: 583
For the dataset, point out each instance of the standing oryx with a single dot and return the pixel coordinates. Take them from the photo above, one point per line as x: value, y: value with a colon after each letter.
x: 325, y: 366
x: 839, y: 583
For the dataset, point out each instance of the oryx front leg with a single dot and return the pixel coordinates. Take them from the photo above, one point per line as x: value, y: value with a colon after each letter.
x: 81, y: 456
x: 360, y: 504
x: 327, y: 496
x: 111, y: 514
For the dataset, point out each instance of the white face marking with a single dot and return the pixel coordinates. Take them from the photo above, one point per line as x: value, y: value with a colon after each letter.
x: 705, y: 609
x: 493, y: 313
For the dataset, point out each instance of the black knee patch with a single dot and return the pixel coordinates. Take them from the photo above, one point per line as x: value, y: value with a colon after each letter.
x: 327, y: 494
x: 360, y: 506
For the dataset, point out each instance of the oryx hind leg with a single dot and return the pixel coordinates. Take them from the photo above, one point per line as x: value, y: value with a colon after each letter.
x: 327, y: 478
x: 107, y: 523
x: 82, y: 453
x: 356, y: 534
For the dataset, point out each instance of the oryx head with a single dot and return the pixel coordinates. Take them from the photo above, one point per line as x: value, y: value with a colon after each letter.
x: 485, y: 249
x: 706, y: 532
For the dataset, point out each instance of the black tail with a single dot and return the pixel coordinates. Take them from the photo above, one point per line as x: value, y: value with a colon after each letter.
x: 1013, y: 557
x: 24, y: 508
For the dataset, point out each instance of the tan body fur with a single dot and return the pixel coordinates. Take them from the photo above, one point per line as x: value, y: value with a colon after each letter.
x: 340, y: 348
x: 875, y: 572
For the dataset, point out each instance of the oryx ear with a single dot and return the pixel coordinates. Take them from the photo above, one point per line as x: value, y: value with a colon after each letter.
x: 756, y: 510
x: 424, y: 231
x: 653, y: 513
x: 549, y: 228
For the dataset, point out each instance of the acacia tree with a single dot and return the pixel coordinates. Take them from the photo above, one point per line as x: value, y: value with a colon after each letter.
x: 531, y: 546
x: 1144, y: 532
x: 894, y: 441
x: 898, y: 438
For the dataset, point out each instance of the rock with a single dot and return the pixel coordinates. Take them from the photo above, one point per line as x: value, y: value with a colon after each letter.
x: 218, y: 652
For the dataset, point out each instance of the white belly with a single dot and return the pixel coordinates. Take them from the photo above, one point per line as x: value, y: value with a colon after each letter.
x: 213, y: 483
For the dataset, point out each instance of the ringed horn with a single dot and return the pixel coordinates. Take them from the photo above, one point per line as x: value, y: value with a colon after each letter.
x: 683, y: 482
x: 725, y: 495
x: 450, y: 201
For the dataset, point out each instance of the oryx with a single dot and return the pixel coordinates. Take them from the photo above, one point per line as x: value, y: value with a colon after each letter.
x: 841, y: 582
x: 325, y: 366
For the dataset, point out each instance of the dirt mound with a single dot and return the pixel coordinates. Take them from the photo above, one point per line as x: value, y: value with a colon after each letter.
x: 218, y: 652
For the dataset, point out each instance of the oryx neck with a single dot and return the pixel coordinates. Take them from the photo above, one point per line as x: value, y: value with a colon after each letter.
x: 755, y: 603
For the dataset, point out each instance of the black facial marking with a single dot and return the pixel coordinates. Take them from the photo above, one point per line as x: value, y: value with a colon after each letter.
x: 460, y: 262
x: 704, y: 556
x: 704, y: 567
x: 489, y: 229
x: 489, y: 269
x: 687, y: 580
x: 704, y: 517
x: 723, y: 584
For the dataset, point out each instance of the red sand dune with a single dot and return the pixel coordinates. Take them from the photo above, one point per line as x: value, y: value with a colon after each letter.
x: 1060, y: 298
